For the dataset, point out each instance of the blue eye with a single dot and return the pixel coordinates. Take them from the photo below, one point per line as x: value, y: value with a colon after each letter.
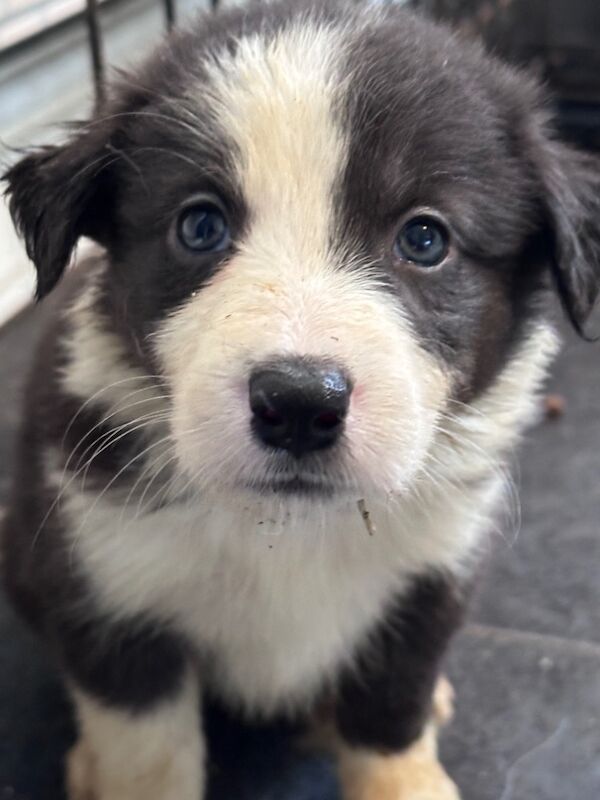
x: 424, y: 241
x: 203, y: 228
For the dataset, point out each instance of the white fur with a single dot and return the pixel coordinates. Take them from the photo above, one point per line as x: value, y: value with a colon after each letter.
x: 153, y: 756
x: 471, y: 440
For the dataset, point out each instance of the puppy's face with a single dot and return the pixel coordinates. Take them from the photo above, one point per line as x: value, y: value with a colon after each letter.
x: 326, y: 231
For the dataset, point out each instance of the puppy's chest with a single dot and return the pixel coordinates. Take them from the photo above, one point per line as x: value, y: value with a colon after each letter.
x: 278, y: 606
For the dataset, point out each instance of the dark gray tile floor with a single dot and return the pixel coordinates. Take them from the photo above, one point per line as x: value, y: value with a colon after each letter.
x: 526, y: 668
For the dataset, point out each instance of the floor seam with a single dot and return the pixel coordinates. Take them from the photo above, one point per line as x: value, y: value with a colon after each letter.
x: 582, y: 646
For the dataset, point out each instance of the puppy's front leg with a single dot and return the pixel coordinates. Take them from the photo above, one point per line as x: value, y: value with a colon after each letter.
x: 137, y: 702
x: 152, y: 754
x: 390, y: 707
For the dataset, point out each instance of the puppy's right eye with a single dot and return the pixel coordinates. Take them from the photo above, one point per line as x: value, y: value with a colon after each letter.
x: 424, y: 241
x: 203, y: 228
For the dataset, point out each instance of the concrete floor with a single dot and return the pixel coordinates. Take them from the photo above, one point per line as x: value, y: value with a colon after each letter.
x: 526, y: 667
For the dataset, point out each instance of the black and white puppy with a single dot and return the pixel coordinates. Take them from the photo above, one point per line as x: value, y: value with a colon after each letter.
x: 265, y: 433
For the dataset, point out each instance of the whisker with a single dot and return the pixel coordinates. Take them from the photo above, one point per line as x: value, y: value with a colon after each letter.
x: 103, y: 421
x: 60, y: 494
x: 116, y: 434
x: 97, y: 394
x: 156, y: 474
x: 115, y: 477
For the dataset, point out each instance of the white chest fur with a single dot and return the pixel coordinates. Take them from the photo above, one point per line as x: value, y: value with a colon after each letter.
x: 279, y: 599
x: 282, y: 594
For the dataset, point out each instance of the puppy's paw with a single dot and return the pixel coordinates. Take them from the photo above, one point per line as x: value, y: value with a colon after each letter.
x: 406, y: 777
x: 415, y: 774
x: 427, y: 782
x: 165, y: 780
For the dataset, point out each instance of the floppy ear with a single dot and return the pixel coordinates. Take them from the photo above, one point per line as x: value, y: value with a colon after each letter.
x: 58, y: 194
x: 571, y: 201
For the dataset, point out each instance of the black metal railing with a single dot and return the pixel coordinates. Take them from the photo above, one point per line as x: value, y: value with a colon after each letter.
x: 95, y: 36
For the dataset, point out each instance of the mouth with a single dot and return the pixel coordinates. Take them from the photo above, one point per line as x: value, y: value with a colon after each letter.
x: 295, y: 486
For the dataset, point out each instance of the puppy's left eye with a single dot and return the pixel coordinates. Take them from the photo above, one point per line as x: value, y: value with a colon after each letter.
x: 424, y: 241
x: 203, y: 228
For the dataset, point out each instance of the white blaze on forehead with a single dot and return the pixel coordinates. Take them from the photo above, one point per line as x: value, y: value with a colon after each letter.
x: 276, y: 100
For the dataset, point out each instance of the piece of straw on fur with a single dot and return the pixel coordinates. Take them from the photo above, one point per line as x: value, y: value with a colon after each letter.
x: 366, y: 515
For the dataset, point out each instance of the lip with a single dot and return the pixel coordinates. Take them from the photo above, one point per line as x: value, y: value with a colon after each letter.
x: 293, y: 486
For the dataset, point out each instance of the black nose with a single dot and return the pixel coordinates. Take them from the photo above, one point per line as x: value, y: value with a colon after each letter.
x: 299, y: 405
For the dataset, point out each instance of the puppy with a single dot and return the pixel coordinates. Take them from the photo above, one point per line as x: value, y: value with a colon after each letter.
x: 265, y: 432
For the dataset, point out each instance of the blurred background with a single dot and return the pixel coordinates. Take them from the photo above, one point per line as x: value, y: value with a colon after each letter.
x: 54, y: 55
x: 527, y: 667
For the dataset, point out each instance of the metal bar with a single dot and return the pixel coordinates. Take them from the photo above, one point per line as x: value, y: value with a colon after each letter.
x: 95, y: 37
x: 170, y: 13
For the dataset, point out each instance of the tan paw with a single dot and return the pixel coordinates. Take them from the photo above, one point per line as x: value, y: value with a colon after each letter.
x: 415, y: 774
x: 400, y: 779
x: 430, y: 783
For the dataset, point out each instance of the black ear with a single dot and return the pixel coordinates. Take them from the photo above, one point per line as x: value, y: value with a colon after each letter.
x: 570, y: 183
x: 58, y: 194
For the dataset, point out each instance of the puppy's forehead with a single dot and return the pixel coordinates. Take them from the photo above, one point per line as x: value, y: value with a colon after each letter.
x: 377, y: 92
x: 277, y: 100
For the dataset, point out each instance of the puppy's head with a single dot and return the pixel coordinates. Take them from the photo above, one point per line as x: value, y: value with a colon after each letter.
x: 325, y: 223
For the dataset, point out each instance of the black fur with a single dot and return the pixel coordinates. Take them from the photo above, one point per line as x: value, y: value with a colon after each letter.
x: 132, y: 664
x: 384, y: 700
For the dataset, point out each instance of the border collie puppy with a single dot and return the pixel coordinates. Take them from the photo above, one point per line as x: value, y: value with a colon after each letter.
x: 265, y: 432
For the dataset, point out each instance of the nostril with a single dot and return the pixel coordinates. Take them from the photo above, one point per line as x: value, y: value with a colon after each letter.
x: 327, y: 421
x: 269, y: 416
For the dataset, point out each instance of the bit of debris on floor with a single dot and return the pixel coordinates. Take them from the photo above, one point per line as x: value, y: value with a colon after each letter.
x: 555, y: 406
